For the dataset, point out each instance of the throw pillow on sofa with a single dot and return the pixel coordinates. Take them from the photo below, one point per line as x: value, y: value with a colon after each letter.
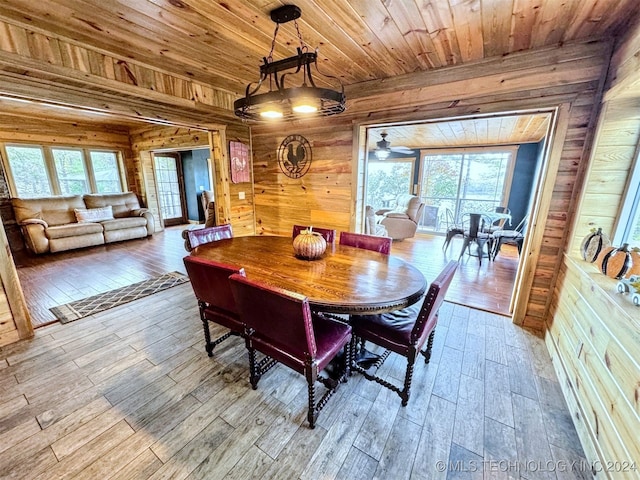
x: 86, y: 215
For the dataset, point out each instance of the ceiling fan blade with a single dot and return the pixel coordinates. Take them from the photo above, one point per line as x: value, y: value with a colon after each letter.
x: 401, y: 149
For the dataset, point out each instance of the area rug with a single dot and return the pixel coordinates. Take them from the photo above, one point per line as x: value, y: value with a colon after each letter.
x: 103, y: 301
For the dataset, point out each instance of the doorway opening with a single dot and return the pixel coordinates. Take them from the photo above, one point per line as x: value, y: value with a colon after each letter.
x: 458, y: 165
x: 183, y: 178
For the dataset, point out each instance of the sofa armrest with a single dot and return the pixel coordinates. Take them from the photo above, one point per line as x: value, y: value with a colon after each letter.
x: 397, y: 215
x: 33, y: 232
x: 382, y: 211
x: 34, y: 221
x: 139, y: 212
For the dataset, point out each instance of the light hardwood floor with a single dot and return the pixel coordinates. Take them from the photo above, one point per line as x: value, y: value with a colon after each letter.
x: 130, y: 394
x: 55, y: 279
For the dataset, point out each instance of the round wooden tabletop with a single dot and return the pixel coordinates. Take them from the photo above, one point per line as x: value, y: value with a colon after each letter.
x: 344, y: 280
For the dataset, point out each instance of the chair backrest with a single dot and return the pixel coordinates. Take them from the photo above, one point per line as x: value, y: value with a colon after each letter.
x: 208, y: 206
x: 328, y: 234
x: 432, y: 301
x: 475, y: 224
x: 501, y: 221
x: 210, y: 282
x: 200, y: 236
x: 279, y: 316
x: 367, y: 242
x: 409, y: 204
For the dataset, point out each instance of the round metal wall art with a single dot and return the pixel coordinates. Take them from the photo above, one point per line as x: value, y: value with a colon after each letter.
x: 294, y: 156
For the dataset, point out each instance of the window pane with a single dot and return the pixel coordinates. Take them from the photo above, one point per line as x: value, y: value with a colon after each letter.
x: 106, y: 171
x: 29, y: 171
x: 72, y: 175
x: 462, y: 183
x: 386, y: 180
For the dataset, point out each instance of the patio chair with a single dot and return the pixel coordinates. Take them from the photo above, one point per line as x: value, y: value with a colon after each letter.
x: 403, y: 332
x: 453, y: 228
x: 280, y: 324
x: 513, y: 237
x: 474, y: 234
x: 210, y: 282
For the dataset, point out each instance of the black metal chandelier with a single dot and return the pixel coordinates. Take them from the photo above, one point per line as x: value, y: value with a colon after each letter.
x: 289, y: 103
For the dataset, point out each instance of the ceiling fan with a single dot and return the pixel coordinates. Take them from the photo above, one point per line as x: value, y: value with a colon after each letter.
x: 384, y: 148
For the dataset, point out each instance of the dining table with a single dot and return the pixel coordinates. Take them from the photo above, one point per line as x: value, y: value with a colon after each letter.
x: 344, y: 280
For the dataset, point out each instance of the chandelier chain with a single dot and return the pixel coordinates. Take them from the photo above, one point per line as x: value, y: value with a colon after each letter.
x: 303, y: 46
x: 273, y: 44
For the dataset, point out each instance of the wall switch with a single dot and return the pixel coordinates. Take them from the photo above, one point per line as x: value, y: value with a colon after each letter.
x: 241, y: 195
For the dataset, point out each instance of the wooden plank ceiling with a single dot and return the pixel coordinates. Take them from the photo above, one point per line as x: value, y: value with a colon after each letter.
x: 221, y: 44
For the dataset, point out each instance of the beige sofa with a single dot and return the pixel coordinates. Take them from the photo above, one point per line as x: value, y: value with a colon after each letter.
x: 401, y: 221
x: 55, y: 224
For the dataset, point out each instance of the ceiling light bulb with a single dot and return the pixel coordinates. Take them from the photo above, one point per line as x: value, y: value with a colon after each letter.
x: 271, y: 112
x: 382, y: 154
x: 305, y: 105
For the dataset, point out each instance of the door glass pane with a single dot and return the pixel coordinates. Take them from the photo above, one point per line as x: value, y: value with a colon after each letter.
x: 29, y: 171
x: 106, y: 171
x: 168, y: 187
x: 386, y: 180
x: 72, y: 176
x: 464, y: 183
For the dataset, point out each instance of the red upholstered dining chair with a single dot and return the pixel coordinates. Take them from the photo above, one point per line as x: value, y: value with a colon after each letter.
x: 200, y: 236
x: 368, y: 242
x: 280, y: 324
x: 328, y: 234
x: 403, y: 331
x: 210, y: 282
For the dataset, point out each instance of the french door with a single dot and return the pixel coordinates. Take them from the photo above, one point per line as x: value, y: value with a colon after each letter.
x: 466, y: 180
x: 168, y: 169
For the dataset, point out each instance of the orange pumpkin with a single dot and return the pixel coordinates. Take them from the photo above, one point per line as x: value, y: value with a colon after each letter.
x: 615, y: 261
x: 634, y: 269
x: 309, y: 245
x: 593, y: 244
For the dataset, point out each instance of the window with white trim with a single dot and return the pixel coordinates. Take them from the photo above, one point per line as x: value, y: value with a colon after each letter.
x: 41, y: 171
x: 628, y: 229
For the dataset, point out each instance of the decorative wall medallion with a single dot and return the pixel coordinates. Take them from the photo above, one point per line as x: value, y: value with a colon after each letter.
x: 294, y: 156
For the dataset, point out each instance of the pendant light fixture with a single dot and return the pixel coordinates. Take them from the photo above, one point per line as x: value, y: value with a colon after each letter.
x: 289, y: 102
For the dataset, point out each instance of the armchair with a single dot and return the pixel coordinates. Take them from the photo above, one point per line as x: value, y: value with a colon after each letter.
x: 401, y: 221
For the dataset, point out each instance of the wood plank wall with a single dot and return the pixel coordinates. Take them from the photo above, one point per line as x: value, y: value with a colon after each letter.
x: 154, y: 138
x: 51, y: 60
x: 593, y: 333
x: 540, y: 79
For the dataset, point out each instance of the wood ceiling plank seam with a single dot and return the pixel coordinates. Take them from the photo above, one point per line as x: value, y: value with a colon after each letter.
x: 253, y: 50
x: 333, y: 32
x: 255, y: 41
x: 414, y: 29
x: 525, y: 14
x: 258, y: 29
x: 609, y: 26
x: 582, y: 12
x: 438, y: 18
x: 496, y: 26
x: 120, y: 45
x: 394, y: 29
x: 172, y: 45
x: 546, y: 22
x: 354, y: 26
x: 468, y: 27
x: 482, y: 130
